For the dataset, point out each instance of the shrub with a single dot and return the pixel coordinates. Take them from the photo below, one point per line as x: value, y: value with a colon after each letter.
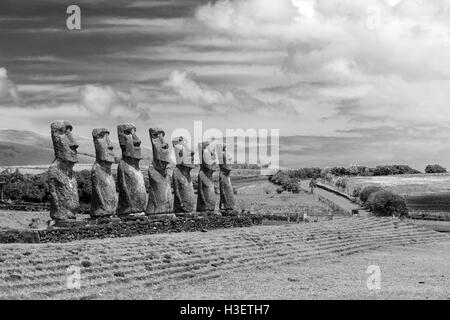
x: 356, y: 191
x: 393, y: 170
x: 295, y: 188
x: 328, y: 177
x: 366, y: 191
x: 340, y: 171
x: 280, y: 190
x: 25, y: 187
x: 435, y: 168
x: 289, y: 180
x: 341, y: 183
x: 84, y: 185
x: 387, y: 203
x: 291, y: 186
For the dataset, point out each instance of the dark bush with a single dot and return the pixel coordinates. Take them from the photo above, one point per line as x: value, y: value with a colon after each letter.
x: 341, y: 183
x: 387, y: 203
x: 34, y: 188
x: 435, y: 168
x: 84, y: 185
x: 367, y: 191
x: 340, y: 171
x: 393, y: 170
x: 357, y: 191
x: 25, y: 187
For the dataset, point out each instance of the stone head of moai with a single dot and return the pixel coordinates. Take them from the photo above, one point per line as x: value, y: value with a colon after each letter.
x: 225, y: 159
x: 129, y: 141
x: 183, y: 153
x: 160, y: 148
x: 208, y: 152
x: 103, y: 145
x: 64, y: 143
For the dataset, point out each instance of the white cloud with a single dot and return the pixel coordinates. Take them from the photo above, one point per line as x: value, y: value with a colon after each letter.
x: 99, y: 100
x: 398, y: 71
x: 8, y: 89
x: 183, y: 84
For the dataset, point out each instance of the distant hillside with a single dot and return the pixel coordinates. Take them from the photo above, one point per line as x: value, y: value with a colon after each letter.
x: 21, y: 148
x: 28, y: 138
x: 14, y: 154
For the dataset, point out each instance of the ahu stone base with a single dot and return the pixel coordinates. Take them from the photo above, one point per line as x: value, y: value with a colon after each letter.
x: 126, y: 227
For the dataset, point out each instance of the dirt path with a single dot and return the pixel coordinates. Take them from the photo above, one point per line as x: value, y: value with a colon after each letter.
x: 341, y: 202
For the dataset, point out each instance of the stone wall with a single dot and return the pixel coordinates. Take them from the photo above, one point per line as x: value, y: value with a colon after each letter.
x: 126, y: 228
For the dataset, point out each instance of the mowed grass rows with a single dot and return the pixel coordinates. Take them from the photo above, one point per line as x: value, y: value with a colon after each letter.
x: 111, y: 267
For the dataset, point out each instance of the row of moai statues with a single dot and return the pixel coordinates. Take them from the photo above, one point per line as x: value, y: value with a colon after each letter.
x: 132, y: 196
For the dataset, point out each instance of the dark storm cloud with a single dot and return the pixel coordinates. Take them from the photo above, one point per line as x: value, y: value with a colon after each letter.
x: 37, y: 30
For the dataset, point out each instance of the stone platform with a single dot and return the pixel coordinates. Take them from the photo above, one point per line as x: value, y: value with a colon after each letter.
x: 125, y: 227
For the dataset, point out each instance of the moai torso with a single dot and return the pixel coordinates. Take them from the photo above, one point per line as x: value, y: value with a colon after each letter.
x: 227, y: 202
x: 206, y: 201
x: 104, y: 196
x: 205, y: 192
x: 64, y: 202
x: 183, y: 189
x: 130, y: 180
x: 131, y: 185
x: 184, y: 197
x: 160, y: 200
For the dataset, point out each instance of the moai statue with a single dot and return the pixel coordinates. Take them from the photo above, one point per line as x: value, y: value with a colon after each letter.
x: 130, y: 180
x: 227, y: 203
x: 64, y: 201
x: 184, y: 198
x: 104, y: 196
x: 160, y: 199
x: 206, y: 201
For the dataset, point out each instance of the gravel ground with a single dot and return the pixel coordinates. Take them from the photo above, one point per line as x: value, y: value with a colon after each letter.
x: 412, y: 272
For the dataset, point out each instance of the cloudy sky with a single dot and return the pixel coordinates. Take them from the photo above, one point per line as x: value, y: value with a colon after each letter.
x: 364, y: 81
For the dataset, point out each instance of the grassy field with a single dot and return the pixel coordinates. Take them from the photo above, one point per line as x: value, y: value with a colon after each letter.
x: 427, y: 195
x: 166, y: 265
x: 407, y: 185
x: 262, y: 198
x: 407, y: 272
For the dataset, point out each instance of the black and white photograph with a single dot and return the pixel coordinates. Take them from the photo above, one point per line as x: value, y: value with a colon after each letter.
x: 224, y: 154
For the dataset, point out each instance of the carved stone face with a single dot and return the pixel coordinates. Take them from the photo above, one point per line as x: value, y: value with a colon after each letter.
x: 103, y: 145
x: 64, y: 144
x: 183, y: 154
x: 160, y: 148
x: 226, y: 162
x: 129, y: 141
x: 209, y: 155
